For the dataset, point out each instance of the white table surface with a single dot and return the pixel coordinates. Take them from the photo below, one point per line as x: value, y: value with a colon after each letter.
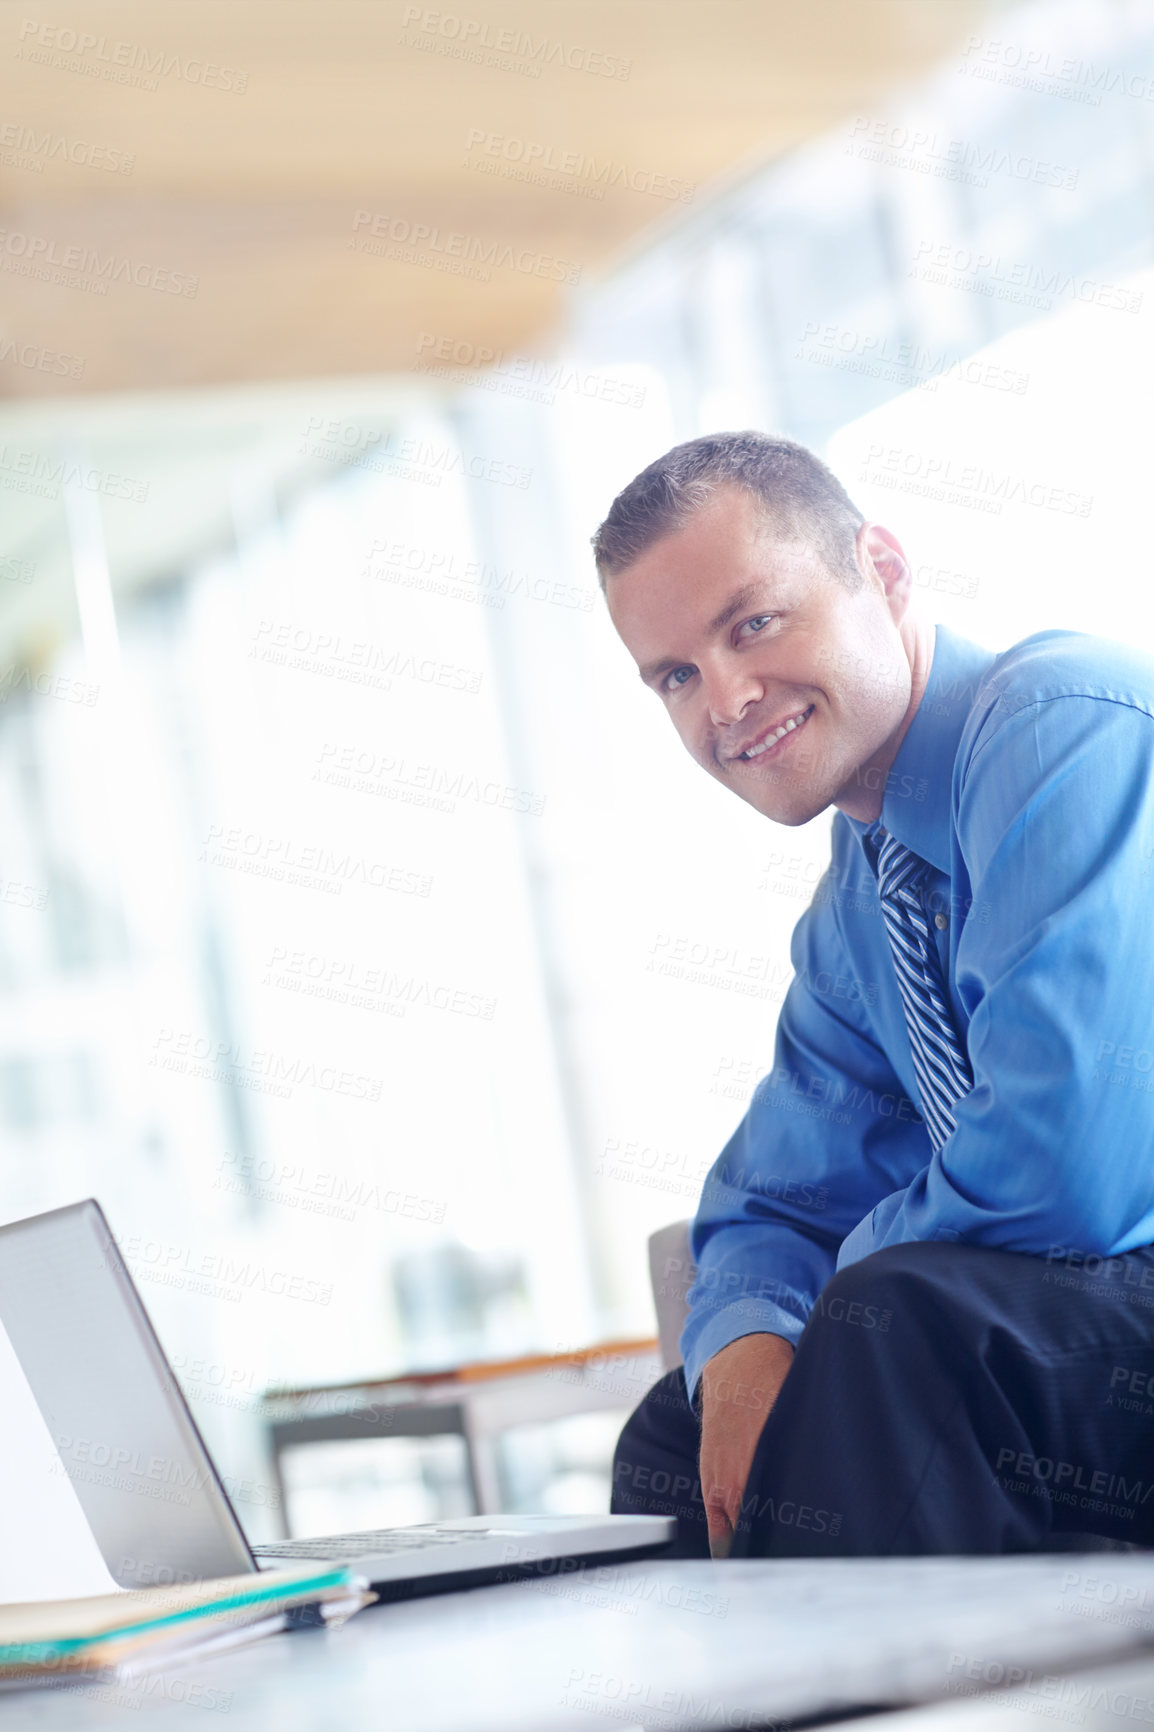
x: 667, y: 1646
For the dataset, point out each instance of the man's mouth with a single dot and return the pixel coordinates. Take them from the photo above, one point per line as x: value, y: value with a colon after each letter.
x: 772, y: 737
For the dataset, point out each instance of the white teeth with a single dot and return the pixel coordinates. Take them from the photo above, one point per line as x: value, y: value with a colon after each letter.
x: 779, y: 733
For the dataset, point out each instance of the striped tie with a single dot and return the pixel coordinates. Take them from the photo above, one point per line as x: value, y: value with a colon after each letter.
x: 940, y: 1062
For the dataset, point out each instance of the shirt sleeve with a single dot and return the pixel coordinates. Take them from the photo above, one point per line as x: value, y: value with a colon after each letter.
x: 827, y: 1134
x: 1052, y: 1150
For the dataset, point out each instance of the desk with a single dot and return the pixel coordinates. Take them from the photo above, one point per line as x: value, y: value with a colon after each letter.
x: 680, y: 1645
x: 475, y: 1402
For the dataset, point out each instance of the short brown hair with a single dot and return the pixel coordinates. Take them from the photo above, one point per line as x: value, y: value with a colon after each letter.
x: 801, y: 498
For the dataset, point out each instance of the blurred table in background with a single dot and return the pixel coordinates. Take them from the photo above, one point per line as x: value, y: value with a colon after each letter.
x: 474, y: 1402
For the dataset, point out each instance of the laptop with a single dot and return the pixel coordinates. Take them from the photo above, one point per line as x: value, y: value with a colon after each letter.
x: 144, y: 1478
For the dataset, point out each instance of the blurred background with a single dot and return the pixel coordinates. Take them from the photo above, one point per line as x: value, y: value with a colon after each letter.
x: 367, y: 945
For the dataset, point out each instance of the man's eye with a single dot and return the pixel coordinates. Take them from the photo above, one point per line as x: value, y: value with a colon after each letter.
x: 757, y: 623
x: 674, y: 680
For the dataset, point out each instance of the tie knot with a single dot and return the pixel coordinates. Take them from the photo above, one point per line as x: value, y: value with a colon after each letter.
x: 898, y: 867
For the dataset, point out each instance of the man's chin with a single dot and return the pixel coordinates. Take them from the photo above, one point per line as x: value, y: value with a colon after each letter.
x: 779, y: 793
x: 793, y: 810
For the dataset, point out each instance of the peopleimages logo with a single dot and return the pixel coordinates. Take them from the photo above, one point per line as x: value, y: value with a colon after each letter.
x: 35, y: 472
x: 408, y: 458
x: 41, y: 360
x: 201, y: 1055
x: 970, y: 484
x: 177, y: 1265
x: 929, y: 152
x: 404, y: 241
x: 120, y: 62
x: 536, y: 377
x: 505, y: 49
x: 572, y: 170
x: 24, y: 147
x: 1032, y: 67
x: 27, y: 254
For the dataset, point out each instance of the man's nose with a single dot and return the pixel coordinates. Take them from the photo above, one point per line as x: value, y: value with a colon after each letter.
x: 730, y: 691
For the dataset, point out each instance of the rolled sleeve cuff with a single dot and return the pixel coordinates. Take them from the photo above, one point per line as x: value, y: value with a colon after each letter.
x: 859, y: 1242
x: 700, y: 1341
x: 884, y: 1226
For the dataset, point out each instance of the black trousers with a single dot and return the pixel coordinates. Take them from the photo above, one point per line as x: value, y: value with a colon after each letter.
x: 943, y: 1398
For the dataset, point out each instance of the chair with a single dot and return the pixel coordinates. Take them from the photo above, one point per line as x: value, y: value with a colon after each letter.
x: 671, y: 1272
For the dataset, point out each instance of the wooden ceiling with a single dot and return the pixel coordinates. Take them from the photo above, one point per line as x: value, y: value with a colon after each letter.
x: 181, y: 181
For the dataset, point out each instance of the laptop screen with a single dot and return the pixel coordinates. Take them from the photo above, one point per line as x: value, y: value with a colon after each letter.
x: 119, y: 1423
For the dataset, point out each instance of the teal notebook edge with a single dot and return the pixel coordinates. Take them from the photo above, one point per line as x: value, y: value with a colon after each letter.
x: 37, y: 1653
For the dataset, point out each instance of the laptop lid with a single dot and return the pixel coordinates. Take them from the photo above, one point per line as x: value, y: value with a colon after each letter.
x: 121, y: 1426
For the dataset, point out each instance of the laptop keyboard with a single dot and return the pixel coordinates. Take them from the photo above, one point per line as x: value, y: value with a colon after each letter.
x: 365, y: 1545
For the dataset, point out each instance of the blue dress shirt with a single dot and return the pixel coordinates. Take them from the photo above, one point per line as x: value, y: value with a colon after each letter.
x: 1026, y: 781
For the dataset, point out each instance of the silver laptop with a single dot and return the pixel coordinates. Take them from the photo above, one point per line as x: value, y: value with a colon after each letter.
x: 143, y: 1475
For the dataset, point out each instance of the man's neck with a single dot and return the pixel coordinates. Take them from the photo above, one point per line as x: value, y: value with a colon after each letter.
x: 865, y: 802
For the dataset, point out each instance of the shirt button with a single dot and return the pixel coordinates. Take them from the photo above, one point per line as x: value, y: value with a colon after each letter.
x: 941, y: 922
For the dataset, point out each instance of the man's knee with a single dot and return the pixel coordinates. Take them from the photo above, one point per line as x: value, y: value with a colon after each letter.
x: 885, y: 1291
x: 655, y: 1462
x: 663, y: 1420
x: 655, y: 1467
x: 640, y: 1485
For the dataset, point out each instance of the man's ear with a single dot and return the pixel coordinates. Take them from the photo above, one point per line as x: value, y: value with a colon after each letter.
x: 882, y: 558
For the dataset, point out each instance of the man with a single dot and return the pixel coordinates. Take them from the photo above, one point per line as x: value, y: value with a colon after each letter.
x: 923, y: 1313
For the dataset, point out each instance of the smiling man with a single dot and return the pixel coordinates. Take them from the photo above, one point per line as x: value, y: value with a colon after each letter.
x: 923, y: 1312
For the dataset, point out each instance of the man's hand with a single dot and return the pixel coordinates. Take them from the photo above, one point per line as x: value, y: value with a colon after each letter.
x: 739, y: 1385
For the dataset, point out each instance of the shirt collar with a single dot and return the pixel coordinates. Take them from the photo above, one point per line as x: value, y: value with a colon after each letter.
x: 916, y: 802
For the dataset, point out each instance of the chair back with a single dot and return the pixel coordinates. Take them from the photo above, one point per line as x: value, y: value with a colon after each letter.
x: 671, y: 1273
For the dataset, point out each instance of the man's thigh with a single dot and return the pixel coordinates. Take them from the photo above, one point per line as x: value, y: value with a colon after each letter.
x: 655, y: 1467
x: 949, y: 1397
x: 1072, y: 1344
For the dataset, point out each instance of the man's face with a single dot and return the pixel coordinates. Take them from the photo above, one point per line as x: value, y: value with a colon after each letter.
x: 739, y: 631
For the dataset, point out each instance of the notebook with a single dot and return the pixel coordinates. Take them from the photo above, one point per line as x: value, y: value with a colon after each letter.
x: 114, y: 1636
